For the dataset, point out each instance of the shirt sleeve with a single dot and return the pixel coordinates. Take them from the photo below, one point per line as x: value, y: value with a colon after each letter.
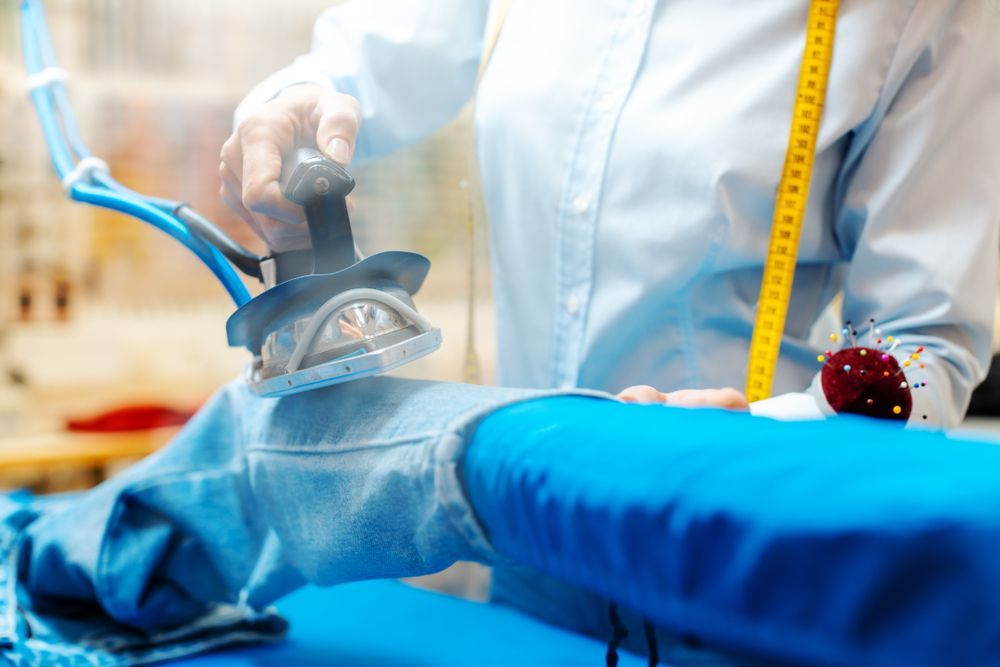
x: 411, y: 64
x: 917, y: 205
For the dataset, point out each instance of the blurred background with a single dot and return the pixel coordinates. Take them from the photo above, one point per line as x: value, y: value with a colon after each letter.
x: 106, y: 322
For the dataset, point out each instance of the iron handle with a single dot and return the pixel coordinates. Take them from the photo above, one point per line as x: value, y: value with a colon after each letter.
x: 321, y: 186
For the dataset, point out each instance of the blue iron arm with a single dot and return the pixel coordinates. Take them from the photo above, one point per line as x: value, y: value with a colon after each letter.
x: 68, y: 152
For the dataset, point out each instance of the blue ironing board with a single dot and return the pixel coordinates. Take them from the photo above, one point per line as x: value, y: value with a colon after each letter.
x: 376, y: 623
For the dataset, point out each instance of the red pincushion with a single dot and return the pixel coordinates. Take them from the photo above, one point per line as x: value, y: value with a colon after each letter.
x: 866, y: 389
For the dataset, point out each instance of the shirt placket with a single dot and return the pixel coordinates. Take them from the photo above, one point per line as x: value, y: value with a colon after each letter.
x: 580, y: 198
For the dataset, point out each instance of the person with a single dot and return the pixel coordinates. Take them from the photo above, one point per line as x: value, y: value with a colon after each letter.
x: 639, y: 145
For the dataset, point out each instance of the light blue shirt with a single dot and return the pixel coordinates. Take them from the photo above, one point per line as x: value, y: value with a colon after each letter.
x: 630, y: 152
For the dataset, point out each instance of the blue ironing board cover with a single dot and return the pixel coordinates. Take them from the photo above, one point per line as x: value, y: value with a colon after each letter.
x: 843, y: 542
x: 377, y: 623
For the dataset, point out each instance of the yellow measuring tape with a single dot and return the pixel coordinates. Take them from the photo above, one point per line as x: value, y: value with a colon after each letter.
x: 793, y: 192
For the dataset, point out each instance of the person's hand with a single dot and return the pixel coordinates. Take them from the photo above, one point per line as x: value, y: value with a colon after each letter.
x: 302, y: 115
x: 728, y: 398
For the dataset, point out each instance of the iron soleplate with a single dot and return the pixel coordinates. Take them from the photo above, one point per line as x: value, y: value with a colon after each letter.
x: 351, y: 367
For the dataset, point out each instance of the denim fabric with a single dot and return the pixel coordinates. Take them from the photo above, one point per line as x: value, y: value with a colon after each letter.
x: 361, y: 482
x: 184, y: 551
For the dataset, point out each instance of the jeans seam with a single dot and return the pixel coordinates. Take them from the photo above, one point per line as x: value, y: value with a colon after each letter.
x: 338, y: 448
x: 449, y: 448
x: 447, y: 490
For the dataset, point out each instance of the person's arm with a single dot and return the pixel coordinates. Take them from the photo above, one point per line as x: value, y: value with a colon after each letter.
x: 919, y: 204
x: 380, y: 75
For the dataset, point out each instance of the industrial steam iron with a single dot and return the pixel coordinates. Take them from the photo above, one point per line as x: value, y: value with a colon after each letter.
x: 325, y: 316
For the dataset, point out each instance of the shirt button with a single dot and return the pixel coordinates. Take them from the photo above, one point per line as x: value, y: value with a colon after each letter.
x: 581, y: 203
x: 573, y: 304
x: 605, y: 102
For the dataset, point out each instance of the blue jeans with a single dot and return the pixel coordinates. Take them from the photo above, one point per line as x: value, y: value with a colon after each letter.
x: 184, y: 551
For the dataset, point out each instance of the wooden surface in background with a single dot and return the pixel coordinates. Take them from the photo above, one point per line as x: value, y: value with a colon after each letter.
x: 90, y: 449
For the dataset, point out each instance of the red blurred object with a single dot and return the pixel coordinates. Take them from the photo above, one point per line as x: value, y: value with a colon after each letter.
x: 131, y: 418
x: 869, y: 382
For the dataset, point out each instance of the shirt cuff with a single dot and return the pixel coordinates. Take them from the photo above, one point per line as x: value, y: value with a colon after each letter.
x: 794, y: 406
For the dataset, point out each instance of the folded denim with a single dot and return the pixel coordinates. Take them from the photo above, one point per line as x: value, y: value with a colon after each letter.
x: 184, y: 552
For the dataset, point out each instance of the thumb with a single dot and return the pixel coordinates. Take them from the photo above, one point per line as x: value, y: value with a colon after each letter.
x: 337, y: 128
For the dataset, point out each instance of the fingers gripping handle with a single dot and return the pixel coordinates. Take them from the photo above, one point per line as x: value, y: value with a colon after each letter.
x: 321, y: 186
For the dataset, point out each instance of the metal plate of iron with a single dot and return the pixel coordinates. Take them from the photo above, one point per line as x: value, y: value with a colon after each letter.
x: 344, y: 369
x: 298, y: 297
